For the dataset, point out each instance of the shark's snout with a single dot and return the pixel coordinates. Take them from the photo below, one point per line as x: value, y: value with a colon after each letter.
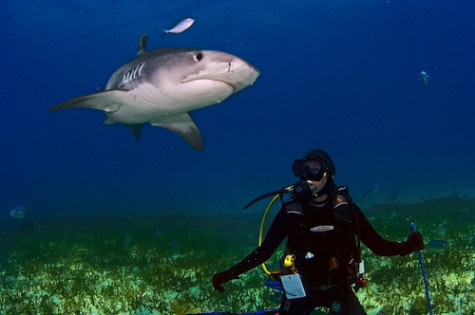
x: 226, y: 68
x: 243, y: 73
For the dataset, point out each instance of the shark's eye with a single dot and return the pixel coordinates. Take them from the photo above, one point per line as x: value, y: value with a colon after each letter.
x: 198, y: 56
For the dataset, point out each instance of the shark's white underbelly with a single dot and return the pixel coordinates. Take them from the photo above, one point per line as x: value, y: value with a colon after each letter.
x: 148, y: 103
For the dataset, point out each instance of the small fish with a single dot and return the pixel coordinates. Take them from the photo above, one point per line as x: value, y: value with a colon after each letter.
x: 374, y: 189
x: 159, y: 231
x: 127, y: 241
x: 180, y: 27
x: 424, y: 77
x: 18, y: 212
x: 174, y: 245
x: 436, y: 246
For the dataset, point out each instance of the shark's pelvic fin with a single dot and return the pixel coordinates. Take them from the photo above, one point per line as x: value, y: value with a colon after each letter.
x: 142, y: 44
x: 185, y: 127
x: 136, y: 130
x: 108, y: 101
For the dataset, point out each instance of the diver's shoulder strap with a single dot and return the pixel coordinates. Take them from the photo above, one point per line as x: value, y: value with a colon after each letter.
x: 344, y: 198
x: 343, y: 194
x: 293, y: 207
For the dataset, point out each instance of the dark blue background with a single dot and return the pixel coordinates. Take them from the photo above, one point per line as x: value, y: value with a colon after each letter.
x: 337, y: 75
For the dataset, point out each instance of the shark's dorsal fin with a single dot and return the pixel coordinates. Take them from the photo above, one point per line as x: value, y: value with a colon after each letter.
x: 142, y: 44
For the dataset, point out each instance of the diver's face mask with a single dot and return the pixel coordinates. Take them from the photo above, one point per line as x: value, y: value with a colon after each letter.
x: 308, y: 169
x: 311, y: 174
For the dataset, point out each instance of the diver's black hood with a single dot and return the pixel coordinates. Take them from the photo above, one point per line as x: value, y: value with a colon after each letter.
x: 322, y: 157
x: 315, y: 155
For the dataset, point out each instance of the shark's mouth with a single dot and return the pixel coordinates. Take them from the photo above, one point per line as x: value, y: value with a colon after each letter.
x: 211, y: 82
x: 224, y: 78
x: 227, y: 83
x: 201, y: 91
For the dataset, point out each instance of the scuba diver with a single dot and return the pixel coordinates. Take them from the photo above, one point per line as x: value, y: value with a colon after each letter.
x: 323, y: 228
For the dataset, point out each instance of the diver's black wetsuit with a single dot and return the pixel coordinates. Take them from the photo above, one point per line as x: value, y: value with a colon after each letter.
x: 323, y: 240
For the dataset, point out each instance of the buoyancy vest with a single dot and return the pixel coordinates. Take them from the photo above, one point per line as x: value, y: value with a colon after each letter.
x: 323, y: 240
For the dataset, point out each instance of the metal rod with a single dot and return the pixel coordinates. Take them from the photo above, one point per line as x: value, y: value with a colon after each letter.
x: 424, y: 275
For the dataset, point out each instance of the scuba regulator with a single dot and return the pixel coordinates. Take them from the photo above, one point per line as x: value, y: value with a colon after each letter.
x: 300, y: 190
x: 307, y: 169
x: 304, y: 190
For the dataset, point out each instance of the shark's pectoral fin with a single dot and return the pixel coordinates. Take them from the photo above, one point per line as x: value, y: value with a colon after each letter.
x: 108, y: 101
x: 185, y: 127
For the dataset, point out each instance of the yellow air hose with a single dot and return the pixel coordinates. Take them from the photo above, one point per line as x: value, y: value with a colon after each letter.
x: 261, y: 230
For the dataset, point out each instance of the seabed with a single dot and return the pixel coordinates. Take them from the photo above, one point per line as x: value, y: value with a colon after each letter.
x: 163, y: 264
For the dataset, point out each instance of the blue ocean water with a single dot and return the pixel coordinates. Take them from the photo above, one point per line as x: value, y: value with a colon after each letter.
x: 337, y: 75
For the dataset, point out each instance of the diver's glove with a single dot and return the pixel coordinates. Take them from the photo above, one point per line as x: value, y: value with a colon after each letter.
x: 414, y: 242
x: 221, y: 278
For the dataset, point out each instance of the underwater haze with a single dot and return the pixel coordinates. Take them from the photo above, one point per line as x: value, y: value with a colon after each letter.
x: 337, y: 75
x: 386, y: 87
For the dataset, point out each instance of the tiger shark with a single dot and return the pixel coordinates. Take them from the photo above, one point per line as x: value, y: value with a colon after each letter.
x: 162, y: 86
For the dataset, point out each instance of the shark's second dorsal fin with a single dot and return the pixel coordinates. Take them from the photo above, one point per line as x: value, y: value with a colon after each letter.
x: 142, y: 44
